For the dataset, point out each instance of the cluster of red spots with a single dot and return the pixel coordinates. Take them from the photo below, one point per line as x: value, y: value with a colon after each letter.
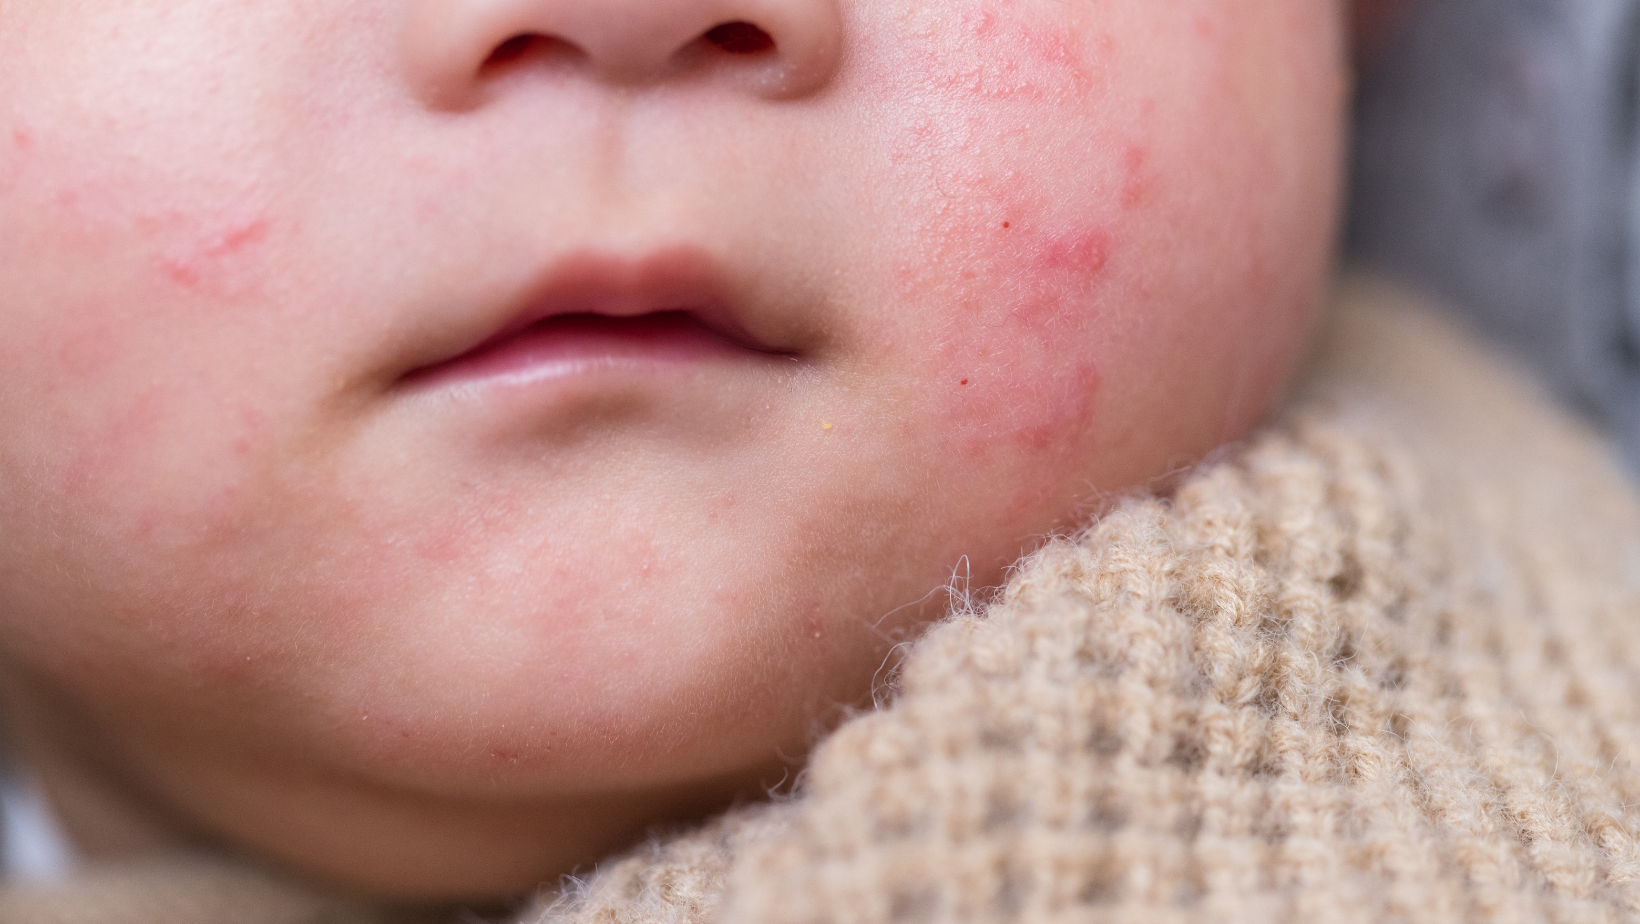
x: 1018, y: 303
x: 1036, y: 298
x: 1050, y: 48
x: 203, y: 260
x: 1017, y: 52
x: 1082, y: 252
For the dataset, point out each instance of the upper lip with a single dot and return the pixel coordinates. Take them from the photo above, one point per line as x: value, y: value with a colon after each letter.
x: 674, y: 280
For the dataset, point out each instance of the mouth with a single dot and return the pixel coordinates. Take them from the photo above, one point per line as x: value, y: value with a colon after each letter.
x: 604, y: 315
x: 567, y: 345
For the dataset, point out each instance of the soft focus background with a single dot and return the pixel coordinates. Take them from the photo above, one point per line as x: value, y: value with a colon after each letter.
x: 1496, y: 163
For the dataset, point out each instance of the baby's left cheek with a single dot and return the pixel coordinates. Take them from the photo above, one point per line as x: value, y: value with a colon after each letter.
x: 1010, y: 368
x: 1015, y: 181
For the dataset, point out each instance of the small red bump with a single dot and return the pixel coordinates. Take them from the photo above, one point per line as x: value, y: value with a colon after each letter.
x: 1007, y: 224
x: 965, y: 381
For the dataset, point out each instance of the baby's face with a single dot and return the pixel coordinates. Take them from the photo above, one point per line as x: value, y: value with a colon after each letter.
x: 431, y: 452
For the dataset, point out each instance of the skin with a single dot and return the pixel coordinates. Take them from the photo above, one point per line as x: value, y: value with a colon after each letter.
x: 268, y: 580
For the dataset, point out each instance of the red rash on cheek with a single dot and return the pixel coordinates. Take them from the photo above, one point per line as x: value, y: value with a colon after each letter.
x: 208, y: 239
x: 1019, y: 300
x: 1136, y: 178
x: 210, y: 258
x: 1015, y: 329
x: 1073, y: 256
x: 1012, y: 55
x: 1014, y: 202
x: 447, y: 542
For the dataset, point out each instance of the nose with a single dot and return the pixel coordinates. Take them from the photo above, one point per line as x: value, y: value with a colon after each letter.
x: 774, y: 48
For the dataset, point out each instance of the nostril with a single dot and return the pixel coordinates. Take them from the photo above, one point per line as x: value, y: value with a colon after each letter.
x: 526, y: 46
x: 740, y: 38
x: 511, y: 50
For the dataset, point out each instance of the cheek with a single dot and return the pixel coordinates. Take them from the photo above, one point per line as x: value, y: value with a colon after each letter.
x: 1012, y: 224
x: 182, y: 244
x: 1008, y: 374
x: 1096, y: 220
x: 142, y: 359
x: 16, y: 154
x: 1002, y: 51
x: 131, y: 327
x: 216, y: 255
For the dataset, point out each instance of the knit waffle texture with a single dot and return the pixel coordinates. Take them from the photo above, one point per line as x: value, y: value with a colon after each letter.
x: 1382, y: 664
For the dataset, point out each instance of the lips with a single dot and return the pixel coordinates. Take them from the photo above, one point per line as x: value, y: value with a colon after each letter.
x: 597, y: 313
x: 575, y: 344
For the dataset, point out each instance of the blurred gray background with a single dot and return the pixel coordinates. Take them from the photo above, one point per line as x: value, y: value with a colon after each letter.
x: 1495, y: 163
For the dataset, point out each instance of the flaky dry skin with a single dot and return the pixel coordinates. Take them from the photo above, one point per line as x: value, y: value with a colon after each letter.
x: 1381, y: 666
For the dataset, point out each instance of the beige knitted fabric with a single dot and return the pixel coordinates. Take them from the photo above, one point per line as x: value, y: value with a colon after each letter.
x: 1383, y: 665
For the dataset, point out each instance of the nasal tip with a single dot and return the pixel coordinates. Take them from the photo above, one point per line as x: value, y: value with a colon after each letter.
x: 778, y: 49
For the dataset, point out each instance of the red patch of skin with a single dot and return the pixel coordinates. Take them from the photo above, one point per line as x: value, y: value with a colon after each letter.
x: 1025, y: 58
x: 1011, y: 317
x: 1136, y: 181
x: 1074, y: 254
x: 206, y: 260
x: 1021, y: 295
x: 484, y: 514
x: 721, y: 506
x: 211, y: 244
x: 990, y: 233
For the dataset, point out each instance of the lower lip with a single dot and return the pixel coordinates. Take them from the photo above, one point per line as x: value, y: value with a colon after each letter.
x: 581, y: 344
